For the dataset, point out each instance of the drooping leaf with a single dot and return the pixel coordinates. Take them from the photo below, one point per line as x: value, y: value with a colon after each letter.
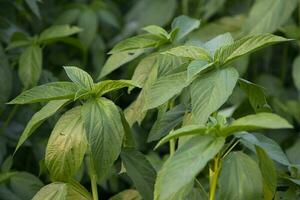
x: 66, y: 146
x: 240, y: 178
x: 156, y: 30
x: 38, y: 118
x: 127, y: 195
x: 47, y: 92
x: 296, y: 72
x: 79, y: 77
x: 88, y: 21
x: 185, y: 25
x: 140, y: 171
x: 164, y: 124
x: 210, y: 91
x: 57, y: 32
x: 136, y: 42
x: 256, y: 95
x: 105, y: 132
x: 246, y: 45
x: 256, y: 121
x: 270, y: 146
x: 111, y: 85
x: 164, y: 89
x: 61, y: 191
x: 30, y: 66
x: 118, y: 59
x: 181, y: 168
x: 191, y: 52
x: 267, y: 16
x: 184, y: 131
x: 268, y: 172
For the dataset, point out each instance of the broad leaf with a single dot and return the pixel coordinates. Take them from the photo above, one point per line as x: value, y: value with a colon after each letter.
x: 217, y: 42
x: 88, y: 21
x: 191, y: 52
x: 296, y: 72
x: 240, y: 178
x: 62, y: 191
x: 137, y: 42
x: 210, y: 91
x: 269, y: 173
x: 184, y: 131
x: 195, y: 68
x: 38, y: 118
x: 181, y: 168
x: 5, y: 176
x: 66, y: 146
x: 164, y: 89
x: 245, y: 45
x: 127, y: 195
x: 110, y: 85
x: 165, y: 123
x: 256, y: 121
x: 270, y: 146
x: 140, y: 171
x: 185, y: 25
x: 267, y: 16
x: 118, y: 59
x: 156, y: 30
x: 57, y: 32
x: 79, y: 77
x: 30, y: 66
x: 46, y: 92
x: 256, y: 95
x: 105, y: 132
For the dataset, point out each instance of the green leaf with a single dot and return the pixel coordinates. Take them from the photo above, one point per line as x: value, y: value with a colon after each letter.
x: 165, y: 123
x: 184, y: 165
x: 88, y: 21
x: 156, y: 30
x: 30, y: 66
x: 245, y: 45
x: 217, y: 42
x: 210, y: 91
x: 105, y: 132
x: 195, y: 68
x: 46, y: 92
x: 268, y: 171
x: 270, y: 146
x: 296, y: 72
x: 110, y: 85
x: 57, y: 32
x: 127, y: 195
x: 38, y: 118
x: 6, y: 176
x: 164, y: 89
x: 62, y: 191
x: 191, y: 52
x: 240, y: 178
x: 256, y: 121
x: 136, y: 42
x: 185, y: 25
x: 256, y: 95
x: 140, y: 171
x: 6, y: 80
x: 79, y: 77
x: 33, y: 5
x: 118, y: 59
x: 211, y: 7
x: 267, y: 16
x: 184, y: 131
x: 66, y: 146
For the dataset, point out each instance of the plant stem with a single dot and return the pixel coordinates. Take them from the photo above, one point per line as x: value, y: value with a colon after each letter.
x: 93, y: 176
x: 172, y: 147
x: 213, y: 177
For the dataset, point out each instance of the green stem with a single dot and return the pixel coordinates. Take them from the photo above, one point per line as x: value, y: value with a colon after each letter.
x: 172, y: 147
x: 213, y: 177
x: 93, y: 176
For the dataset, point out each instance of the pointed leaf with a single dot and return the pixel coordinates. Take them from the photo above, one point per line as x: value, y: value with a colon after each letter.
x: 110, y: 85
x: 181, y: 168
x: 46, y: 92
x: 79, y: 77
x: 195, y: 68
x: 256, y: 121
x: 39, y: 117
x: 105, y: 132
x: 217, y: 42
x: 156, y: 30
x: 185, y: 25
x: 66, y: 146
x: 210, y: 91
x: 191, y: 52
x: 296, y: 72
x: 140, y: 171
x: 30, y: 66
x: 57, y: 32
